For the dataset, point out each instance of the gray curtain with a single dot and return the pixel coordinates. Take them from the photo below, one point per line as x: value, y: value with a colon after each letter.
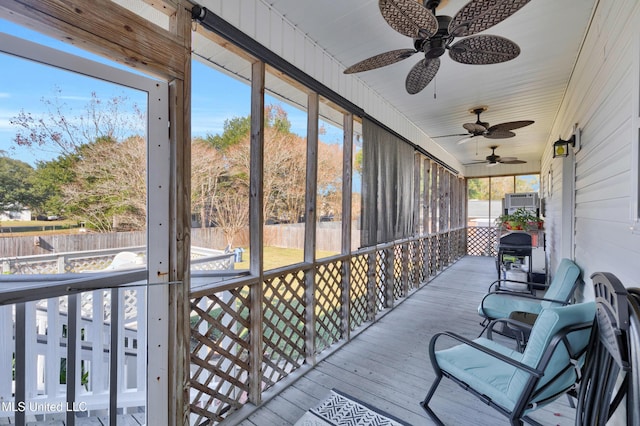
x: 387, y: 186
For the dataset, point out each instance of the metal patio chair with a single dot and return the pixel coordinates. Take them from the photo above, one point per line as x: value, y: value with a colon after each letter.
x: 525, y: 307
x: 517, y: 383
x: 611, y: 373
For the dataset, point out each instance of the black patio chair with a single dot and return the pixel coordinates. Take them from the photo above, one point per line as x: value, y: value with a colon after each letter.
x: 517, y: 383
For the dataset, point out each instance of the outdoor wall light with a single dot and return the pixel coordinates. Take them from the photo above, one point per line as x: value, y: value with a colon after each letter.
x: 561, y: 147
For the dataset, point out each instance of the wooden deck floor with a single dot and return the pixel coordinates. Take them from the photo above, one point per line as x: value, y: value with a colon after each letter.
x: 387, y: 364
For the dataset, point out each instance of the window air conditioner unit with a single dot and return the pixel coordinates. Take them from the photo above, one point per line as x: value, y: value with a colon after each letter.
x: 526, y: 200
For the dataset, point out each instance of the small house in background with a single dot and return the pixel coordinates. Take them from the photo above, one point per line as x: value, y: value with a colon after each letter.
x: 17, y: 214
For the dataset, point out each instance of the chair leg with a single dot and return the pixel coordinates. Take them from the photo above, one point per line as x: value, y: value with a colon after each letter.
x: 571, y: 403
x: 425, y: 402
x: 485, y: 325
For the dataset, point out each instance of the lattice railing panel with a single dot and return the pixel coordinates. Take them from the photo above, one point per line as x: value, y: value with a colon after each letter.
x: 283, y: 325
x: 220, y: 321
x: 398, y: 255
x: 219, y: 354
x: 423, y: 255
x: 434, y: 254
x: 328, y: 307
x: 443, y: 242
x: 413, y: 263
x: 382, y: 263
x: 359, y: 296
x: 462, y: 242
x: 215, y: 264
x: 482, y: 241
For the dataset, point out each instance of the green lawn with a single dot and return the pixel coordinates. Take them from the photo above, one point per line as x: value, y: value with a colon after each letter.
x: 275, y: 257
x: 23, y: 228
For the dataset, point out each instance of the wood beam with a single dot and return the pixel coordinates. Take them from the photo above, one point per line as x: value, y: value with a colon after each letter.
x: 105, y: 28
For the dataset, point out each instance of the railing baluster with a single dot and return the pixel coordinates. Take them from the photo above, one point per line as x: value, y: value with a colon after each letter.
x: 31, y: 356
x: 141, y: 336
x: 6, y: 353
x: 21, y: 360
x: 73, y: 354
x: 52, y: 358
x: 96, y: 334
x: 114, y: 350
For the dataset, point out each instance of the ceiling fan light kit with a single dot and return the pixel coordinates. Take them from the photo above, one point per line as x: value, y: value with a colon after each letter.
x: 434, y: 35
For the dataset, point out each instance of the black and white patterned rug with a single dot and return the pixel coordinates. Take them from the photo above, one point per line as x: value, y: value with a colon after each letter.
x: 340, y: 409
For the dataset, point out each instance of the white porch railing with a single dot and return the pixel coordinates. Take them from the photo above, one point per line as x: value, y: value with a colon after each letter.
x: 73, y: 346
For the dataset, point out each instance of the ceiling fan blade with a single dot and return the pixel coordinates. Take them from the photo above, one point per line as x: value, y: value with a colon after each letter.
x: 409, y: 17
x: 511, y: 125
x: 483, y: 50
x: 474, y: 128
x: 514, y: 161
x: 448, y: 136
x: 421, y: 74
x: 503, y: 159
x: 465, y: 140
x: 499, y: 134
x: 380, y: 60
x: 478, y: 15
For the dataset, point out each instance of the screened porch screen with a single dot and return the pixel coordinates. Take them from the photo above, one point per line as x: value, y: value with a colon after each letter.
x: 387, y: 186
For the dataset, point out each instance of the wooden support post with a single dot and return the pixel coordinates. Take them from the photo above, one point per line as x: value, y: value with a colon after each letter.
x: 425, y: 218
x: 256, y: 224
x: 434, y: 255
x: 310, y: 227
x: 347, y: 159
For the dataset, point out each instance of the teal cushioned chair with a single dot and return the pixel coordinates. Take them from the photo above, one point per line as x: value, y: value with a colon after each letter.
x: 502, y: 303
x: 515, y: 383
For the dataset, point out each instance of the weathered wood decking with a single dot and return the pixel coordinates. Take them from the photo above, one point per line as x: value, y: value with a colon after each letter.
x: 387, y: 364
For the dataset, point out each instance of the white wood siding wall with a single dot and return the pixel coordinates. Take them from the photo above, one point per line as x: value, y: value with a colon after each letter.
x: 601, y: 98
x: 256, y: 19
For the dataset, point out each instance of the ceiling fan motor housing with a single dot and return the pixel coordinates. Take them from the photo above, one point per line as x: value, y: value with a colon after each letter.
x: 435, y: 46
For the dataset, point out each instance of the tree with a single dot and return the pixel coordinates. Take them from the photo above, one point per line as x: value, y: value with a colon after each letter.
x: 234, y: 130
x: 100, y: 174
x: 63, y: 131
x: 109, y: 188
x: 329, y: 180
x: 232, y: 212
x: 46, y: 184
x: 478, y: 188
x: 207, y: 169
x: 14, y: 184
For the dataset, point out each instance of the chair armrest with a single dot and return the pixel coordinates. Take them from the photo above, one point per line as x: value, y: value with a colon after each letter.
x: 497, y: 283
x: 519, y: 330
x: 520, y: 295
x: 514, y: 323
x: 470, y: 343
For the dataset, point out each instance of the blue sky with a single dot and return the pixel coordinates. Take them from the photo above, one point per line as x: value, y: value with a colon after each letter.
x: 31, y: 82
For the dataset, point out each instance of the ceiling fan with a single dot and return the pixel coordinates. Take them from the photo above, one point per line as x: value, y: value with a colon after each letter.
x: 482, y: 128
x: 494, y: 159
x: 433, y: 35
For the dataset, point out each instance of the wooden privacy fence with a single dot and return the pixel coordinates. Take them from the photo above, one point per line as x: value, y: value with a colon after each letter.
x: 282, y: 235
